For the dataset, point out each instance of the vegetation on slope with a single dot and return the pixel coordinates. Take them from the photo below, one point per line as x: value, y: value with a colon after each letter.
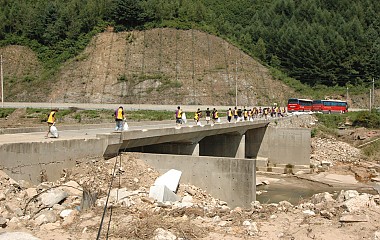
x: 320, y: 43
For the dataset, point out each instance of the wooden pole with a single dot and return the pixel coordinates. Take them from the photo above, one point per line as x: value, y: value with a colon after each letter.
x: 2, y: 81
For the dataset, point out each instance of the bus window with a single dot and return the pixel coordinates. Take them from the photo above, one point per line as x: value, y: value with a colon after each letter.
x: 293, y: 101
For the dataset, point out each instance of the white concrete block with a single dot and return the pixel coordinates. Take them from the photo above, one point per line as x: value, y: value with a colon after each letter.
x: 170, y: 179
x: 162, y: 194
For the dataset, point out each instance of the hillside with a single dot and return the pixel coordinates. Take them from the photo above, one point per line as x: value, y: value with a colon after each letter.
x: 159, y: 66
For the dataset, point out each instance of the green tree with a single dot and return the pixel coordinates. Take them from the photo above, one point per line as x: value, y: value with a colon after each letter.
x: 260, y: 49
x: 127, y: 13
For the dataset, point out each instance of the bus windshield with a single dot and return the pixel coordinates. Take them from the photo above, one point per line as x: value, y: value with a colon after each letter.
x: 293, y: 101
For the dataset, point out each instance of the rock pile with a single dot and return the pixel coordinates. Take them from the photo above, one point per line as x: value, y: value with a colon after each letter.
x: 54, y: 210
x: 330, y: 151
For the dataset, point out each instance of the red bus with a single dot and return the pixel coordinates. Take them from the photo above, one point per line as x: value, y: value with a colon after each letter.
x: 317, y: 106
x: 299, y: 105
x: 330, y: 106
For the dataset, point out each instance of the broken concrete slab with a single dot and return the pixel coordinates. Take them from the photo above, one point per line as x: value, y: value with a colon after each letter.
x: 17, y: 236
x: 334, y: 178
x: 52, y: 197
x: 162, y: 194
x: 354, y: 218
x: 117, y: 194
x: 170, y: 179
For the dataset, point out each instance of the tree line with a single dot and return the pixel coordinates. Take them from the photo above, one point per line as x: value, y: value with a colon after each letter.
x: 319, y: 42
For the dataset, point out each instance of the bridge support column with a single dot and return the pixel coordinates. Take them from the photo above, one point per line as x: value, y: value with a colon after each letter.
x: 254, y: 139
x: 279, y: 145
x: 196, y: 151
x: 223, y: 145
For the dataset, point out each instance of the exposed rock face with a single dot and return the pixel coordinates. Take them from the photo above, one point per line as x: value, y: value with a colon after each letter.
x: 157, y: 66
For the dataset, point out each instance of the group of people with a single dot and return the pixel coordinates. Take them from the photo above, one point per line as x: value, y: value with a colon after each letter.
x: 212, y: 116
x: 236, y: 114
x: 249, y: 114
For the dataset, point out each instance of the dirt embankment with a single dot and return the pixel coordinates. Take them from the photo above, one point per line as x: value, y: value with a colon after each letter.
x: 158, y: 66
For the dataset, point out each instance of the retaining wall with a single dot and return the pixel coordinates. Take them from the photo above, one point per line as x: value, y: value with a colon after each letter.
x: 27, y: 160
x: 230, y: 179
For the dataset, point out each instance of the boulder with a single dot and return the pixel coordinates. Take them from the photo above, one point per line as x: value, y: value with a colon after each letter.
x: 65, y: 213
x: 72, y: 188
x: 322, y: 198
x: 3, y: 222
x: 377, y: 235
x: 346, y: 195
x: 52, y: 197
x: 17, y: 236
x: 31, y: 192
x: 251, y: 228
x: 356, y: 203
x: 70, y: 218
x: 45, y: 217
x: 161, y: 234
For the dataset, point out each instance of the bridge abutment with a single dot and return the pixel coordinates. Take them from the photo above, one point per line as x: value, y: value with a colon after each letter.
x: 279, y: 145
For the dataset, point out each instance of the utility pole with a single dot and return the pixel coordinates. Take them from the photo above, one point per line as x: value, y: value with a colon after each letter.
x: 370, y: 99
x: 2, y: 81
x: 347, y: 94
x: 236, y: 91
x: 373, y: 91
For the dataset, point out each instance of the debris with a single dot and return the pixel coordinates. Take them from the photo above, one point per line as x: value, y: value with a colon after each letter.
x: 170, y: 179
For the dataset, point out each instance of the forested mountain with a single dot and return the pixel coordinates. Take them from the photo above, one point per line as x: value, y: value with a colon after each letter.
x: 315, y: 41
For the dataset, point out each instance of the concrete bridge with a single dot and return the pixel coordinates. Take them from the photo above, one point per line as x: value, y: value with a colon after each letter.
x: 221, y: 159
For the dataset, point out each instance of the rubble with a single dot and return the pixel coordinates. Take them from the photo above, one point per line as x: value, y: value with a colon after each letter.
x: 52, y: 210
x: 329, y: 151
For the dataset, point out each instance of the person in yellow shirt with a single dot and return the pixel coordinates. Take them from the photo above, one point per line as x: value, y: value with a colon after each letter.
x: 215, y: 116
x: 178, y: 116
x: 229, y: 115
x: 197, y: 117
x: 119, y: 118
x: 51, y: 120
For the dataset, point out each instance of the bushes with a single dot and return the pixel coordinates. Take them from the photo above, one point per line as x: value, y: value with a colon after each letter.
x: 368, y: 119
x: 5, y: 112
x: 331, y: 120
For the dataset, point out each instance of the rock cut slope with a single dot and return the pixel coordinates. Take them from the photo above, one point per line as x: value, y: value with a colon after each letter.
x: 165, y: 66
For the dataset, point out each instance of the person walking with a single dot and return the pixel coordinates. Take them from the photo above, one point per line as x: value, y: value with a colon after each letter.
x: 236, y: 114
x: 215, y: 116
x: 229, y: 115
x: 119, y: 118
x: 240, y: 115
x: 178, y: 116
x: 208, y: 115
x: 265, y: 112
x: 51, y: 120
x: 197, y: 117
x: 245, y: 114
